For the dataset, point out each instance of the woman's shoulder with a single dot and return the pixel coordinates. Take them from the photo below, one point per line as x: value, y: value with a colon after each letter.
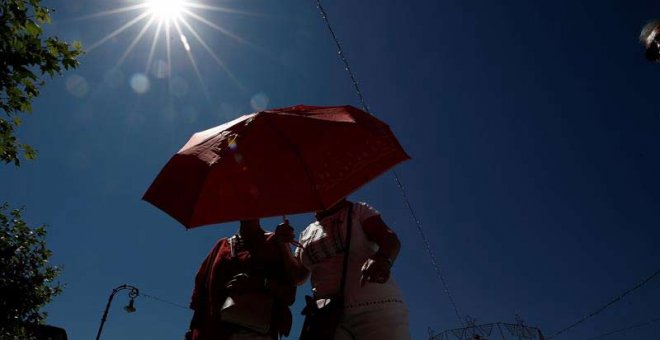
x: 223, y: 244
x: 222, y: 241
x: 310, y: 229
x: 364, y: 210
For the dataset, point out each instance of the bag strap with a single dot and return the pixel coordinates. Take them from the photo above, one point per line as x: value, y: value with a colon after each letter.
x: 233, y: 246
x: 257, y: 253
x: 349, y: 224
x: 197, y: 318
x: 209, y: 268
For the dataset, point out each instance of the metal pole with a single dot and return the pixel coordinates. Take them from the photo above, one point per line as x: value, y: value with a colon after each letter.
x: 134, y: 292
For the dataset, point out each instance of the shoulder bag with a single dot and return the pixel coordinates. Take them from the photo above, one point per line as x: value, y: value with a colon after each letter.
x: 251, y: 310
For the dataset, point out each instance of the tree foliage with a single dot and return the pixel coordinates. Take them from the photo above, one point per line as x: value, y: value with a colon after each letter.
x: 26, y: 277
x: 25, y: 57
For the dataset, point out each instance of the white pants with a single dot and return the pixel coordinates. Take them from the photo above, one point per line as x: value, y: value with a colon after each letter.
x: 385, y: 321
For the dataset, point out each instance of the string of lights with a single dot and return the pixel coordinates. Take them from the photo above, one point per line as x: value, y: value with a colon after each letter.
x: 607, y: 305
x: 404, y: 195
x: 340, y: 52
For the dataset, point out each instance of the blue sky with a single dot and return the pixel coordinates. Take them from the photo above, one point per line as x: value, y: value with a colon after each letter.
x: 534, y: 131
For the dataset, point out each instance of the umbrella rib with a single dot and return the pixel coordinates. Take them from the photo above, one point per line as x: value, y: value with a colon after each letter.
x: 206, y: 178
x: 298, y: 156
x: 193, y: 213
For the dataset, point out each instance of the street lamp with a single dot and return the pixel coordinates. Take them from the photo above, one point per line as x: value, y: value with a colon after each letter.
x: 130, y: 308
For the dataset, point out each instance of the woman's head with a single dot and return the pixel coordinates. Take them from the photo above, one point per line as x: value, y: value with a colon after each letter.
x: 250, y: 223
x: 332, y: 209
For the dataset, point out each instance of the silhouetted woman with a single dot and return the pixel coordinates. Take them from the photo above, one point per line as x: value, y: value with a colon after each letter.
x: 373, y: 305
x: 250, y: 263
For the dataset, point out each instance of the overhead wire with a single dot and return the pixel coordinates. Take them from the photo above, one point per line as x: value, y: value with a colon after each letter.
x: 607, y: 305
x: 625, y: 329
x: 420, y: 230
x: 164, y: 301
x: 404, y: 195
x: 340, y: 52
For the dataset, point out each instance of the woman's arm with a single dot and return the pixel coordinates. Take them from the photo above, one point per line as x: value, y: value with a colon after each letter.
x: 282, y: 237
x: 386, y: 239
x: 377, y: 267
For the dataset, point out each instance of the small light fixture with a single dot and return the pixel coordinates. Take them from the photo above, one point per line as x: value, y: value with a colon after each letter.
x: 132, y: 294
x: 130, y: 308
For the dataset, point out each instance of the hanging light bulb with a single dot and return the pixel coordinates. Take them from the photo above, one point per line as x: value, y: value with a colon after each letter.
x: 130, y: 308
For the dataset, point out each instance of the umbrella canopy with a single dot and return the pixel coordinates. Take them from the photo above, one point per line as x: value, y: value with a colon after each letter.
x: 275, y: 162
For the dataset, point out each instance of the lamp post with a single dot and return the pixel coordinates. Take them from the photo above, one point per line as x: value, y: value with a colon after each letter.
x: 130, y: 308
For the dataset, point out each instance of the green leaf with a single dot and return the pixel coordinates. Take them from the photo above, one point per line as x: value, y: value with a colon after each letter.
x: 25, y: 106
x: 29, y: 152
x: 32, y: 28
x: 77, y: 46
x: 43, y: 15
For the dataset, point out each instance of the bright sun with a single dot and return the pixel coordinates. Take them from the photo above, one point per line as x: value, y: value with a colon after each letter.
x: 168, y: 19
x: 166, y: 10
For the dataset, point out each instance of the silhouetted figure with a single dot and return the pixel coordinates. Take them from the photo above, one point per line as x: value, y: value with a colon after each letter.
x: 252, y: 262
x: 373, y: 307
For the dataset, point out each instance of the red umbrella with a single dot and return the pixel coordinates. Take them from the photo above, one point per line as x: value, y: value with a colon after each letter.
x: 275, y: 162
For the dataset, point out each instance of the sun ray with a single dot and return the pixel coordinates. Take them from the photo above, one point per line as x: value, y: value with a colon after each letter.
x: 211, y: 53
x: 193, y: 62
x: 212, y: 25
x: 117, y: 31
x: 153, y: 46
x: 135, y: 41
x: 169, y: 55
x: 112, y: 11
x: 220, y: 9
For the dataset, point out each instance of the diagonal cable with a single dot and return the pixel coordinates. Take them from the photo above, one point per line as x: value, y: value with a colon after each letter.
x: 404, y: 195
x: 625, y: 329
x: 164, y: 301
x: 607, y: 305
x: 340, y: 52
